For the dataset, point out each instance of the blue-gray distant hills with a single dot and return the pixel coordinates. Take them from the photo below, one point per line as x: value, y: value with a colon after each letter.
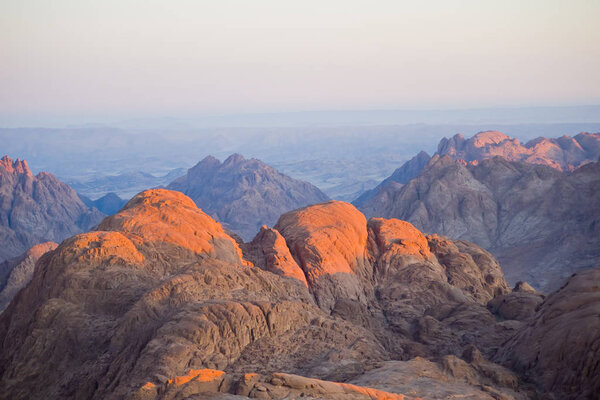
x: 244, y: 194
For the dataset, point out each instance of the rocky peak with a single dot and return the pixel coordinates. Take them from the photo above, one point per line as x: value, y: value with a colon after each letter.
x: 17, y: 166
x: 244, y: 194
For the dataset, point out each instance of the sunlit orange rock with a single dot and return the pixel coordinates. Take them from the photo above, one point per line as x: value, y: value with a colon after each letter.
x: 165, y: 216
x: 401, y: 237
x: 200, y: 375
x: 329, y: 242
x: 269, y: 250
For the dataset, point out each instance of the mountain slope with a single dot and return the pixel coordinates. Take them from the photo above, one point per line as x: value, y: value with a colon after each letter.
x: 244, y: 194
x: 16, y: 273
x: 541, y: 223
x: 36, y: 209
x: 177, y: 311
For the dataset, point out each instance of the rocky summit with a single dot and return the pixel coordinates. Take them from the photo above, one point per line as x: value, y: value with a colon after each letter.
x: 244, y: 194
x: 159, y: 302
x: 37, y: 209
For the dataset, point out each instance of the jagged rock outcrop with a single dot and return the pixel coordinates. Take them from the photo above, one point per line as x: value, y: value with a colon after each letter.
x: 542, y: 224
x: 37, y: 209
x: 559, y: 348
x: 16, y: 273
x: 244, y: 194
x: 160, y: 302
x: 564, y: 153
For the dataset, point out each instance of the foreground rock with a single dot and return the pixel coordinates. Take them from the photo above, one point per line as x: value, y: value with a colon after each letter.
x: 161, y: 303
x: 542, y: 224
x: 559, y: 348
x: 37, y: 209
x: 244, y: 194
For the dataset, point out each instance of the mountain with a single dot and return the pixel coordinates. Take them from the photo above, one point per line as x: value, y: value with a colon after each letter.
x: 541, y: 223
x: 564, y: 153
x: 244, y: 194
x: 324, y: 305
x: 16, y: 273
x: 109, y: 204
x: 36, y: 209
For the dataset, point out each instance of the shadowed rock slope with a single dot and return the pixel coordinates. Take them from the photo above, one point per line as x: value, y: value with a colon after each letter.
x: 244, y: 194
x: 161, y: 303
x: 16, y: 273
x: 542, y: 224
x: 37, y: 209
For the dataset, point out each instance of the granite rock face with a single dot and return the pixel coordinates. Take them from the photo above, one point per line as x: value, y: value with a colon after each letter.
x: 244, y: 194
x: 558, y: 349
x: 37, y: 209
x: 542, y: 224
x: 160, y: 302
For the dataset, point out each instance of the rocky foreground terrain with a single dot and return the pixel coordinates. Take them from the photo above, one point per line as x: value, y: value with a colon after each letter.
x: 37, y: 209
x: 159, y: 302
x: 244, y: 194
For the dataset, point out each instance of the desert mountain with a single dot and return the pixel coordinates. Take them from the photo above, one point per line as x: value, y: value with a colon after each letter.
x: 541, y: 223
x: 324, y: 305
x: 564, y: 154
x: 36, y: 209
x: 244, y: 194
x: 109, y: 204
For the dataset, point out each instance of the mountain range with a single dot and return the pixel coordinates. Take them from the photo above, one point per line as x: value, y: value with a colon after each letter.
x: 244, y: 194
x: 159, y: 302
x: 540, y: 216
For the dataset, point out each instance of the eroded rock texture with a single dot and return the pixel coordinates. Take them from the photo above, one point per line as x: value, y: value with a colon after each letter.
x: 541, y: 224
x: 161, y: 303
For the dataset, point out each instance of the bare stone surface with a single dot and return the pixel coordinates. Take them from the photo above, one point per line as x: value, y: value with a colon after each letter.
x: 542, y: 224
x: 161, y: 303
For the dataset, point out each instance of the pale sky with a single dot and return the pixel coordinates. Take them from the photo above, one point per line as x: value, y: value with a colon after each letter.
x: 75, y: 57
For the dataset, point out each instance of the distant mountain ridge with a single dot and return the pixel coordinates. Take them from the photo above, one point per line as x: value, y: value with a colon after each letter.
x: 36, y: 209
x: 542, y: 224
x: 244, y: 194
x: 564, y: 154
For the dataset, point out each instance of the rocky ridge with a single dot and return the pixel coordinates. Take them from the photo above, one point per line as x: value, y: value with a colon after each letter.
x: 542, y: 224
x: 160, y: 302
x: 564, y: 154
x: 37, y: 209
